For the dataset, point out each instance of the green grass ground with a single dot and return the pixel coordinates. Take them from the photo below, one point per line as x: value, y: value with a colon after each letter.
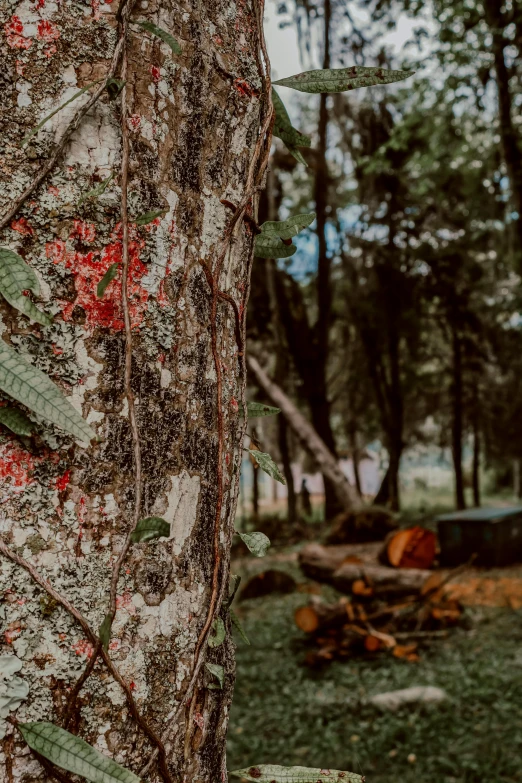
x: 285, y: 713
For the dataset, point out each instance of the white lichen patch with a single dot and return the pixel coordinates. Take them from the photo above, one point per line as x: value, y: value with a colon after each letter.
x: 180, y: 508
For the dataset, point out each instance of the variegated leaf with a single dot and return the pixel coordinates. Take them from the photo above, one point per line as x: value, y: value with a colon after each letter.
x: 255, y: 409
x: 219, y: 633
x: 148, y: 217
x: 257, y: 542
x: 271, y: 773
x: 150, y: 528
x: 16, y: 421
x: 286, y: 229
x: 110, y: 275
x: 218, y: 672
x: 267, y: 464
x: 342, y: 79
x: 283, y: 127
x: 30, y: 386
x: 15, y: 278
x: 266, y: 246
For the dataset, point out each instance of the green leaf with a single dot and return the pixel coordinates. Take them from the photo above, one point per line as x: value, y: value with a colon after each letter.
x: 297, y: 154
x: 148, y: 217
x: 266, y: 246
x: 286, y: 229
x: 235, y: 581
x: 114, y: 87
x: 259, y: 409
x: 271, y: 773
x: 16, y: 421
x: 30, y: 386
x: 63, y: 105
x: 218, y: 672
x: 236, y: 622
x: 159, y: 33
x: 98, y: 190
x: 15, y: 278
x: 107, y: 278
x: 267, y: 464
x: 218, y: 626
x: 342, y: 79
x: 73, y: 754
x: 105, y: 632
x: 149, y: 528
x: 257, y: 542
x: 283, y: 128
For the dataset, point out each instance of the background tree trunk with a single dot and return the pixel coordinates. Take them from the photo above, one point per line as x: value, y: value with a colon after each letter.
x: 460, y: 499
x: 193, y: 122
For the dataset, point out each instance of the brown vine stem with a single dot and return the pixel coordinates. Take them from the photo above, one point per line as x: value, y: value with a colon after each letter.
x: 253, y: 185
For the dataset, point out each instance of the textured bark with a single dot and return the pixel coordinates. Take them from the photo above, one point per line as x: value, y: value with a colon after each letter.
x: 195, y: 120
x: 326, y: 461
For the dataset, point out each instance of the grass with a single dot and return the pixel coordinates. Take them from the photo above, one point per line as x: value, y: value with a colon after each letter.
x: 285, y: 713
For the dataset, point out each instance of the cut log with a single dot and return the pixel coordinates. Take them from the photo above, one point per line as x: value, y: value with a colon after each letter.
x: 319, y: 562
x: 414, y: 547
x: 383, y: 581
x: 317, y: 617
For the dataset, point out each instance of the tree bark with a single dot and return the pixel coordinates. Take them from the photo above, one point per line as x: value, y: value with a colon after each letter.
x: 476, y: 461
x: 192, y: 120
x: 457, y: 425
x: 327, y: 463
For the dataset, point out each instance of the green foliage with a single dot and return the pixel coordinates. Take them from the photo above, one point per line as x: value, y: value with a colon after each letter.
x: 218, y: 637
x: 285, y: 131
x: 342, y: 79
x: 236, y: 622
x: 256, y: 409
x: 105, y: 632
x: 257, y: 543
x: 28, y: 385
x: 266, y: 246
x: 272, y: 773
x: 148, y: 217
x: 55, y: 111
x: 108, y: 277
x: 267, y: 464
x: 73, y: 754
x: 217, y: 671
x: 98, y: 190
x: 16, y: 421
x: 114, y: 87
x: 286, y: 229
x: 15, y: 278
x: 159, y: 33
x: 150, y: 528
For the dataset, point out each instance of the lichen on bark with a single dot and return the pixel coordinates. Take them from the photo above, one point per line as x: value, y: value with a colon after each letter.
x: 194, y: 120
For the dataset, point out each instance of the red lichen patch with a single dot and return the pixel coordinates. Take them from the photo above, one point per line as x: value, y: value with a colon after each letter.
x: 62, y: 482
x: 83, y: 647
x: 13, y: 632
x: 155, y: 72
x: 50, y: 50
x: 22, y: 226
x: 16, y: 465
x: 53, y: 190
x: 19, y: 67
x: 47, y: 31
x: 125, y: 602
x: 234, y: 404
x: 14, y: 31
x: 244, y: 88
x: 134, y: 122
x: 85, y: 232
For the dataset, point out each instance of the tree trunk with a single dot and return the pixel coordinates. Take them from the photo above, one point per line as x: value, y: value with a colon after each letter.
x: 456, y: 430
x: 326, y: 462
x: 160, y: 387
x: 476, y: 462
x: 282, y: 439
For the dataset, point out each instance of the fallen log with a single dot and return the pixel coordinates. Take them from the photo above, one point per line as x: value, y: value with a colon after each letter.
x: 319, y: 562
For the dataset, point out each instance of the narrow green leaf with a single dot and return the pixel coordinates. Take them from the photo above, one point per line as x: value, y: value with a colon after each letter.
x: 98, y: 190
x: 257, y: 543
x: 105, y: 632
x: 266, y: 246
x: 63, y: 105
x: 256, y: 409
x: 73, y: 754
x: 283, y: 127
x: 342, y: 79
x: 159, y: 33
x: 271, y: 773
x: 16, y: 421
x: 30, y: 386
x: 107, y: 278
x: 219, y: 629
x: 286, y: 229
x: 148, y: 217
x: 235, y: 581
x: 218, y: 672
x: 267, y: 464
x: 236, y: 622
x: 114, y: 87
x: 297, y: 154
x: 15, y: 278
x: 149, y: 528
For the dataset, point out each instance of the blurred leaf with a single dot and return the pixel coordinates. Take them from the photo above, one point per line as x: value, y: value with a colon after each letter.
x: 108, y: 277
x: 218, y: 672
x: 150, y: 528
x: 105, y: 632
x: 236, y: 622
x: 267, y: 464
x: 16, y: 421
x: 257, y: 542
x: 97, y: 191
x: 159, y: 33
x: 266, y: 246
x: 342, y: 79
x: 260, y: 409
x: 73, y: 754
x: 30, y: 386
x: 148, y: 217
x: 286, y: 229
x: 271, y: 773
x: 55, y: 111
x: 15, y: 278
x: 219, y: 629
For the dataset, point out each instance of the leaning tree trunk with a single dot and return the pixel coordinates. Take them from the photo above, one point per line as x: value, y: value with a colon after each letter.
x: 156, y: 366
